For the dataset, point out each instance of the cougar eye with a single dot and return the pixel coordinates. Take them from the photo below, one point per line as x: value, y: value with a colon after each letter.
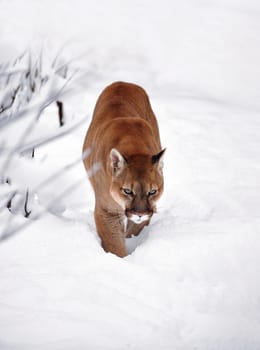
x: 152, y: 192
x: 128, y: 192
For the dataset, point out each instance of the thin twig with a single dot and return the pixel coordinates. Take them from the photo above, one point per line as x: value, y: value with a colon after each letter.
x: 4, y: 108
x: 60, y: 113
x: 26, y: 211
x: 9, y: 202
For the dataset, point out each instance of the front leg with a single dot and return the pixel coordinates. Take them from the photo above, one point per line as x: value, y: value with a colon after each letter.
x: 111, y: 232
x: 134, y: 229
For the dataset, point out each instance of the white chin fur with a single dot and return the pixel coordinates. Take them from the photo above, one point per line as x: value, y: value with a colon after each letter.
x: 139, y: 219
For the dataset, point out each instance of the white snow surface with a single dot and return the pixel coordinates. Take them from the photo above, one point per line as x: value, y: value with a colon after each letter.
x: 192, y: 278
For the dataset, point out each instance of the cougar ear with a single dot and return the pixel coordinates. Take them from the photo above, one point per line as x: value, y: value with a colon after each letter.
x: 117, y: 161
x: 158, y: 159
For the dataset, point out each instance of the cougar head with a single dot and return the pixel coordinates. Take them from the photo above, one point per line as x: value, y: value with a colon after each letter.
x: 137, y: 183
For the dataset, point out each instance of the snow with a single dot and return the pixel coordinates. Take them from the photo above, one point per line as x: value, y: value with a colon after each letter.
x: 191, y: 280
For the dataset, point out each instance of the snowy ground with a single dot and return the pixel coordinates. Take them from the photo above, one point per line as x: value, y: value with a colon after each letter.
x: 192, y: 280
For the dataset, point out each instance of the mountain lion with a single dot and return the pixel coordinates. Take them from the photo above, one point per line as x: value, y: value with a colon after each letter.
x: 124, y: 164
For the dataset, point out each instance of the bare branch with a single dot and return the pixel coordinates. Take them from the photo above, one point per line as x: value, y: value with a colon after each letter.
x: 13, y: 97
x: 26, y: 211
x: 9, y: 202
x: 60, y: 112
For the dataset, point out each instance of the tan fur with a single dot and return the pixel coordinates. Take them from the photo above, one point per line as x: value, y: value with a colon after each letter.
x: 124, y: 144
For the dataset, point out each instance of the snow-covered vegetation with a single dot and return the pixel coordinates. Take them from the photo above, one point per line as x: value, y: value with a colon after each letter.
x: 191, y: 280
